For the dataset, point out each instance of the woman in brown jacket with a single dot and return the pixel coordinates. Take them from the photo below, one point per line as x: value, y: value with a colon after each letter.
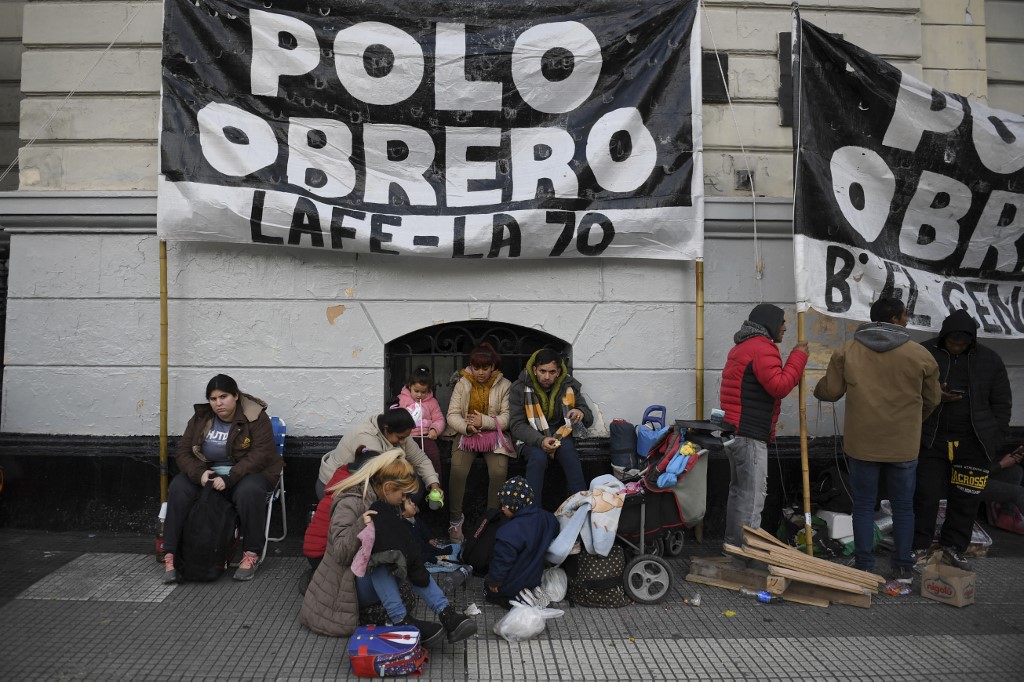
x: 334, y: 596
x: 228, y: 443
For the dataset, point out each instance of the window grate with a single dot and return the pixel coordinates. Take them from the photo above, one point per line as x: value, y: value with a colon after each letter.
x: 444, y: 350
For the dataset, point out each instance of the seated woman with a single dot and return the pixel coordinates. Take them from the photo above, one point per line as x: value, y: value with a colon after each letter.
x: 478, y: 411
x: 334, y: 595
x: 381, y: 432
x: 314, y: 543
x: 229, y: 441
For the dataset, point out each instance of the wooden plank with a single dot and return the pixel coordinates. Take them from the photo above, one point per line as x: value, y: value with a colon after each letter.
x: 814, y: 564
x: 717, y: 570
x: 815, y: 579
x: 805, y: 591
x: 798, y: 562
x: 765, y: 535
x: 776, y: 583
x: 808, y: 600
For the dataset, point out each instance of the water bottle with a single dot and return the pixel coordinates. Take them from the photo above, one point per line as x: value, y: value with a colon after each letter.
x: 160, y: 533
x: 763, y: 596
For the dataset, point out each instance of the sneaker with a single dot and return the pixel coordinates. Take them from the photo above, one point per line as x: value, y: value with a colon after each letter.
x: 455, y: 530
x: 247, y: 567
x: 903, y: 574
x: 170, y: 574
x: 920, y: 558
x: 956, y: 558
x: 458, y: 626
x: 430, y: 633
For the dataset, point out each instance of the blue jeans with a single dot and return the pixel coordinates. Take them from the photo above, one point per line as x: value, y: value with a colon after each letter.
x: 537, y: 463
x: 380, y: 586
x: 900, y: 479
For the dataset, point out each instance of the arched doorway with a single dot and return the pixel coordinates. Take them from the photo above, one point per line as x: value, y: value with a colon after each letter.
x: 444, y: 348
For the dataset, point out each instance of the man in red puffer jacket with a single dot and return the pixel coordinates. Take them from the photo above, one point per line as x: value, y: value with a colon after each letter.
x: 754, y: 382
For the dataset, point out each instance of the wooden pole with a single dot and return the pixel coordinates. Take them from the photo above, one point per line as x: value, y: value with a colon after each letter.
x: 699, y: 350
x: 804, y: 469
x: 163, y: 371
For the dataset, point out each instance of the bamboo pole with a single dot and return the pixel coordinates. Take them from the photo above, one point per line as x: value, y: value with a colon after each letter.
x: 804, y: 469
x: 699, y: 273
x: 163, y: 371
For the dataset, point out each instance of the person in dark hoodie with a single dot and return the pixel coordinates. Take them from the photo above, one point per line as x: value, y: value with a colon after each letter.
x: 754, y: 382
x: 891, y: 385
x: 961, y: 438
x: 546, y: 407
x: 519, y: 546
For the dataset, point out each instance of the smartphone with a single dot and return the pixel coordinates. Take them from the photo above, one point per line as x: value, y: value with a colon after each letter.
x: 957, y: 391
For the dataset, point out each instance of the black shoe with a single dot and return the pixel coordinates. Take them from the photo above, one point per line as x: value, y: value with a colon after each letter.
x: 430, y: 633
x: 457, y: 625
x: 956, y: 558
x: 903, y: 575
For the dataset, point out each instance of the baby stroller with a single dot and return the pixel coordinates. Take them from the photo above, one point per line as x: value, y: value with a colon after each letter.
x: 666, y: 497
x: 650, y: 528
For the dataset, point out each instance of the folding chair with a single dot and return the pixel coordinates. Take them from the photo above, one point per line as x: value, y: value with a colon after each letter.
x: 277, y: 494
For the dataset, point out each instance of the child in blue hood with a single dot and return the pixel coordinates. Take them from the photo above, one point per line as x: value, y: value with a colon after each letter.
x: 520, y: 544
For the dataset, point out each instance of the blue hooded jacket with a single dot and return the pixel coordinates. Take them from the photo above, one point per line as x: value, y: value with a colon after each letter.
x: 519, y: 548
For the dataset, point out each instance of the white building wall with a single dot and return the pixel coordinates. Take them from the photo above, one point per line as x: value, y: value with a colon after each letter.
x: 10, y: 90
x: 1004, y: 30
x: 306, y: 330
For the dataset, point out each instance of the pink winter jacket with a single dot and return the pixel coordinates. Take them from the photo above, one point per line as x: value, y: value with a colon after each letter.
x: 432, y: 417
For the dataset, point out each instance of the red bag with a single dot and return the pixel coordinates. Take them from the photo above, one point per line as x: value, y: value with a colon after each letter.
x: 387, y: 651
x: 1005, y: 516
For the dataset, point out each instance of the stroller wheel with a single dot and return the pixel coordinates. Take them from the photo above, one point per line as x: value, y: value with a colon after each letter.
x: 647, y: 579
x: 674, y: 543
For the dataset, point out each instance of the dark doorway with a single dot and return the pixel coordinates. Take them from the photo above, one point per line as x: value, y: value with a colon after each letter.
x: 444, y: 350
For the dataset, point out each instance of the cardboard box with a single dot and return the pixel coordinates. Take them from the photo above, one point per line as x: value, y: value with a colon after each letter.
x: 947, y: 584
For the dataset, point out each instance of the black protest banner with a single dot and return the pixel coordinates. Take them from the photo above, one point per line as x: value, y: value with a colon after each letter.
x: 904, y: 191
x: 456, y: 129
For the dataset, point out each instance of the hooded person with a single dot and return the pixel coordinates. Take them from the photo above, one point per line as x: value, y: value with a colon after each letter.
x: 520, y: 543
x: 754, y: 382
x: 547, y: 411
x: 961, y: 438
x: 891, y: 384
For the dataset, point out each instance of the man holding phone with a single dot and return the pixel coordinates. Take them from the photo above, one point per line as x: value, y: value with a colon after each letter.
x: 961, y: 438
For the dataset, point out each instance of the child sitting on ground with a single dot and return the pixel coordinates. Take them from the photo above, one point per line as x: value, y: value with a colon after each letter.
x: 431, y: 549
x: 520, y: 544
x: 418, y: 399
x: 390, y: 542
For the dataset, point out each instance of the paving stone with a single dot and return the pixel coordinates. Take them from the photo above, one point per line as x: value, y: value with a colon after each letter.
x: 96, y: 609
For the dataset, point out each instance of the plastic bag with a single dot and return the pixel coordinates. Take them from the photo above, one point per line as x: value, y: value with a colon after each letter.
x: 555, y: 583
x: 527, y: 618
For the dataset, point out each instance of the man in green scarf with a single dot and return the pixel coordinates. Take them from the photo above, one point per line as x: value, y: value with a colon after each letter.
x: 546, y: 408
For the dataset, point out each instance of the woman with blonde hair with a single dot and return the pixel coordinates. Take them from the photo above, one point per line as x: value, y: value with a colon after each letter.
x: 335, y: 594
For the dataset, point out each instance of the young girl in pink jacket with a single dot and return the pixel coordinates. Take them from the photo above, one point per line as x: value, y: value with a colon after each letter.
x: 419, y: 400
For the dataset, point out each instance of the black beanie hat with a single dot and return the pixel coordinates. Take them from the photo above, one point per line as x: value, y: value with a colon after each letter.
x: 768, y: 316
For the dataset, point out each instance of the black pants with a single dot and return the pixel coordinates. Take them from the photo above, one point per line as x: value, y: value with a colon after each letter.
x: 249, y: 496
x: 956, y: 469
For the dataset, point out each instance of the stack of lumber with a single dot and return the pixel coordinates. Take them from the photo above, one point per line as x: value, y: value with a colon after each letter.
x: 791, y: 574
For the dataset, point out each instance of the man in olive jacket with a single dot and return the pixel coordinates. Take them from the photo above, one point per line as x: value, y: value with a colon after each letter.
x: 891, y: 385
x: 961, y: 438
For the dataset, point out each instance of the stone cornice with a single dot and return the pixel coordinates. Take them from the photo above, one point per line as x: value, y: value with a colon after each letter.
x: 725, y: 217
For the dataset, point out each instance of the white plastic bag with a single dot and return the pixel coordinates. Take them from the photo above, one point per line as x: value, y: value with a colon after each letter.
x: 555, y: 583
x: 527, y: 618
